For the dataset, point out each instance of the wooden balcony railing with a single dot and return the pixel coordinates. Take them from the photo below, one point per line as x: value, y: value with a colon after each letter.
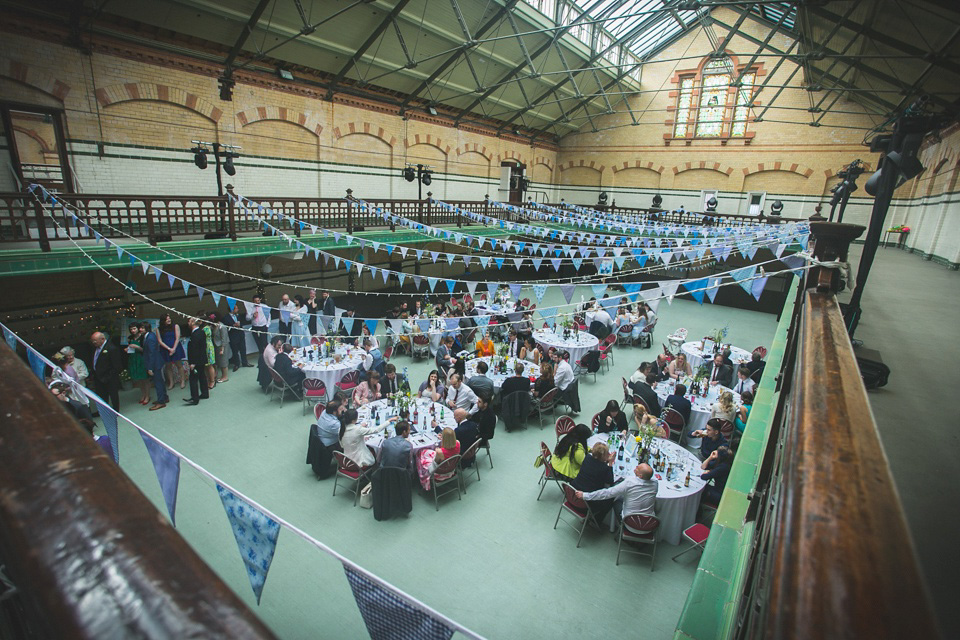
x: 88, y: 554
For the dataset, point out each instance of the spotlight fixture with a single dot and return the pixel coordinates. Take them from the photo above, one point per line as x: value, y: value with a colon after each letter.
x: 419, y: 173
x: 409, y: 174
x: 657, y: 201
x: 228, y: 164
x: 906, y: 166
x: 284, y: 74
x: 712, y: 204
x: 426, y: 178
x: 432, y: 110
x: 199, y: 157
x: 602, y: 198
x: 776, y: 208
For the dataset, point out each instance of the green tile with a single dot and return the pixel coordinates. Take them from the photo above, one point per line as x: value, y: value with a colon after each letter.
x: 720, y: 556
x: 703, y: 610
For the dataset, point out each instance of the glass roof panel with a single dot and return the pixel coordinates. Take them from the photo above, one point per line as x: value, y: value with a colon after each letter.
x: 774, y: 11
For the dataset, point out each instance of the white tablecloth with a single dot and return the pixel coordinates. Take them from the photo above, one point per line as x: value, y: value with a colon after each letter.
x: 676, y: 504
x: 578, y: 347
x: 531, y: 370
x: 700, y: 406
x: 326, y: 369
x: 695, y: 355
x: 422, y: 435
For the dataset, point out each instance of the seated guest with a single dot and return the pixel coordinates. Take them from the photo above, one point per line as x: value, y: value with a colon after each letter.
x: 596, y: 473
x: 635, y: 496
x: 569, y: 453
x: 516, y: 382
x: 717, y: 468
x: 659, y: 367
x: 679, y: 368
x: 724, y: 408
x: 640, y: 374
x: 271, y: 351
x: 397, y: 452
x: 746, y: 403
x: 74, y: 367
x: 726, y: 357
x: 392, y: 382
x: 445, y: 359
x: 485, y: 418
x: 612, y: 419
x: 467, y: 431
x: 78, y: 410
x: 368, y: 391
x: 480, y: 383
x: 644, y: 389
x: 324, y: 440
x: 293, y: 376
x: 529, y: 351
x: 485, y: 346
x: 641, y: 418
x: 432, y: 389
x: 513, y: 344
x: 459, y: 395
x: 565, y: 380
x: 679, y: 403
x: 756, y: 365
x: 720, y: 373
x: 352, y: 439
x: 449, y: 445
x: 545, y: 382
x: 328, y: 424
x: 712, y: 439
x: 744, y: 383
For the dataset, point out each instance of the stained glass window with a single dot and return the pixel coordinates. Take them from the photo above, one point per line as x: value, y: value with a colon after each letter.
x: 683, y: 107
x: 741, y: 111
x: 713, y: 99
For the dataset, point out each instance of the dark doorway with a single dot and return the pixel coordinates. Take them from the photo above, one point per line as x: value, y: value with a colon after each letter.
x: 511, y: 181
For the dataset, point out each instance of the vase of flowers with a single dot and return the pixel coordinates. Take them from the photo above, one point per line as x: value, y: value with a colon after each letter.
x: 645, y: 435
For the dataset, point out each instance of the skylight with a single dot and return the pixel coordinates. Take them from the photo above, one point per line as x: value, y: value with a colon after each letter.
x: 773, y: 12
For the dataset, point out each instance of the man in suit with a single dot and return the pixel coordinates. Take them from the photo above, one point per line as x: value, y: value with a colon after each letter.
x: 644, y: 389
x: 283, y: 365
x: 392, y: 381
x: 350, y: 334
x: 485, y: 418
x: 659, y: 367
x: 153, y: 362
x: 480, y: 383
x: 518, y: 382
x: 197, y: 359
x: 397, y: 451
x: 467, y: 430
x: 720, y: 373
x: 679, y: 403
x: 106, y: 370
x: 238, y: 341
x: 329, y: 309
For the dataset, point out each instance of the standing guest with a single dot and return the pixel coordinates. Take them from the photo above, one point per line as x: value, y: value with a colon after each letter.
x: 432, y: 388
x: 711, y: 438
x: 485, y: 346
x: 716, y: 468
x: 635, y: 496
x: 392, y: 382
x: 221, y: 347
x: 329, y: 309
x: 397, y: 452
x: 679, y: 403
x: 352, y: 439
x: 135, y: 366
x: 211, y: 367
x: 368, y: 391
x: 372, y: 359
x: 106, y: 370
x: 283, y: 365
x: 313, y: 308
x: 569, y: 453
x: 480, y: 383
x: 153, y: 361
x: 459, y: 395
x: 545, y: 382
x: 596, y: 473
x: 720, y: 373
x: 298, y: 321
x: 744, y: 383
x: 612, y: 419
x: 172, y: 351
x: 197, y: 361
x: 74, y: 366
x: 679, y: 368
x: 723, y: 408
x: 286, y: 308
x: 529, y: 351
x: 259, y: 318
x: 516, y: 382
x: 445, y: 359
x: 237, y: 341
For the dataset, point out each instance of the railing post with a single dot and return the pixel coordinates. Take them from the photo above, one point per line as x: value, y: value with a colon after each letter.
x: 486, y: 205
x: 296, y: 216
x: 349, y: 211
x: 41, y: 226
x: 151, y: 228
x: 231, y: 214
x: 831, y: 243
x: 429, y: 208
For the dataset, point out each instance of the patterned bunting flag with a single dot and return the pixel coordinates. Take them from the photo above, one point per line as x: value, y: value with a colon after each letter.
x: 742, y: 277
x: 401, y: 276
x: 539, y: 290
x: 432, y: 283
x: 598, y: 290
x: 109, y: 418
x: 482, y: 320
x: 200, y: 292
x: 256, y: 536
x: 37, y: 365
x: 576, y: 263
x: 714, y: 287
x: 167, y: 467
x: 186, y: 286
x: 10, y: 339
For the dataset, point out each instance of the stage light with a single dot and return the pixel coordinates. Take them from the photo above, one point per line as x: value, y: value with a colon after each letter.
x: 657, y: 201
x: 906, y: 168
x: 228, y: 165
x: 776, y: 208
x: 426, y: 178
x: 712, y: 204
x: 409, y: 174
x: 200, y: 157
x: 602, y: 198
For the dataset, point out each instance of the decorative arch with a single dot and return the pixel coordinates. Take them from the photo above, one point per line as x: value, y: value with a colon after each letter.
x: 351, y: 128
x: 544, y: 161
x: 703, y: 164
x: 429, y: 140
x: 30, y: 133
x: 475, y: 147
x: 794, y: 167
x: 511, y: 155
x: 34, y: 77
x: 128, y: 91
x: 259, y: 114
x: 587, y: 164
x: 638, y: 165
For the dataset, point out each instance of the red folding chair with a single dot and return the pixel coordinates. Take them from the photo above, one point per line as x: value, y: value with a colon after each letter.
x: 726, y: 429
x: 579, y: 509
x: 548, y: 472
x: 638, y: 530
x: 625, y: 333
x: 697, y: 534
x: 563, y: 426
x: 675, y: 422
x: 349, y: 381
x: 280, y: 387
x: 388, y: 354
x: 466, y: 457
x: 314, y: 341
x: 314, y: 391
x: 347, y: 468
x: 546, y: 403
x: 318, y: 410
x: 595, y: 422
x: 606, y: 349
x: 446, y: 473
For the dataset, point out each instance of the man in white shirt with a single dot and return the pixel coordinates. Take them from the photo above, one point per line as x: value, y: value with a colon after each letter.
x: 636, y: 495
x: 563, y: 372
x: 603, y: 316
x: 286, y: 308
x: 460, y: 396
x: 258, y: 315
x: 744, y: 383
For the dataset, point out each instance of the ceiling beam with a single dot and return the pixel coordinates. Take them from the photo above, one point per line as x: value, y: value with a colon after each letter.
x: 369, y: 42
x: 244, y: 34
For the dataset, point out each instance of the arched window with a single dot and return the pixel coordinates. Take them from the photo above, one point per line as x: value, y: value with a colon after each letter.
x: 709, y: 105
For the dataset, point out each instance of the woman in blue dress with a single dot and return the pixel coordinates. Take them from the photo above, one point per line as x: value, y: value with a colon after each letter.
x: 171, y: 350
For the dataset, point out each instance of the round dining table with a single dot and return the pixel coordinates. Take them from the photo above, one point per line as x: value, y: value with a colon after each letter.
x: 696, y: 356
x: 327, y: 369
x: 422, y: 435
x: 530, y: 369
x: 676, y: 504
x: 699, y: 406
x: 577, y: 346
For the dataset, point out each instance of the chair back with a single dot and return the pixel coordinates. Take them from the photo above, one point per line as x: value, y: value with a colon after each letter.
x: 673, y: 418
x: 649, y: 328
x: 570, y: 496
x: 421, y: 339
x: 388, y: 354
x: 590, y: 362
x: 595, y: 421
x: 345, y: 464
x: 549, y: 399
x: 610, y: 340
x: 638, y: 400
x: 447, y: 467
x: 625, y: 331
x: 350, y: 380
x: 563, y: 426
x: 762, y: 351
x: 641, y: 525
x: 547, y: 457
x: 314, y: 388
x: 314, y: 341
x: 276, y: 377
x: 626, y: 391
x: 471, y: 453
x: 318, y: 410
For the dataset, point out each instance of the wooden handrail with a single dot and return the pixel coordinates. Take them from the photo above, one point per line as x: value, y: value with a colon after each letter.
x: 89, y: 554
x: 843, y: 564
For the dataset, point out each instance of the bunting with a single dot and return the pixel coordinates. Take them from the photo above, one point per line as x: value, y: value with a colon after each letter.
x: 256, y: 536
x: 167, y: 467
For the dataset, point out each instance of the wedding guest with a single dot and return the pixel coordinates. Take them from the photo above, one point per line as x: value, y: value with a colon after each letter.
x: 711, y: 438
x: 756, y: 365
x: 210, y: 368
x: 596, y: 472
x: 679, y: 403
x: 368, y: 391
x: 529, y: 351
x: 153, y: 361
x: 397, y: 452
x: 221, y: 347
x: 644, y: 389
x: 135, y: 366
x: 352, y: 439
x: 459, y: 395
x: 517, y: 382
x: 286, y: 308
x: 313, y: 308
x: 679, y: 368
x: 237, y: 341
x: 724, y: 408
x: 449, y: 445
x: 744, y: 383
x: 172, y: 352
x: 719, y: 373
x: 372, y: 359
x: 74, y: 366
x: 643, y: 419
x: 283, y: 365
x: 432, y: 388
x: 392, y: 382
x: 197, y: 361
x: 636, y: 495
x: 298, y: 320
x: 746, y: 404
x: 545, y: 382
x: 106, y: 370
x: 485, y: 346
x: 480, y: 383
x: 612, y: 419
x: 717, y: 468
x: 258, y: 315
x: 569, y: 453
x: 445, y: 359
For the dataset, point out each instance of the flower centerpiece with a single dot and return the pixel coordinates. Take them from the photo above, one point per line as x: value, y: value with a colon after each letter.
x: 699, y: 384
x: 567, y: 325
x: 645, y: 435
x: 719, y: 335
